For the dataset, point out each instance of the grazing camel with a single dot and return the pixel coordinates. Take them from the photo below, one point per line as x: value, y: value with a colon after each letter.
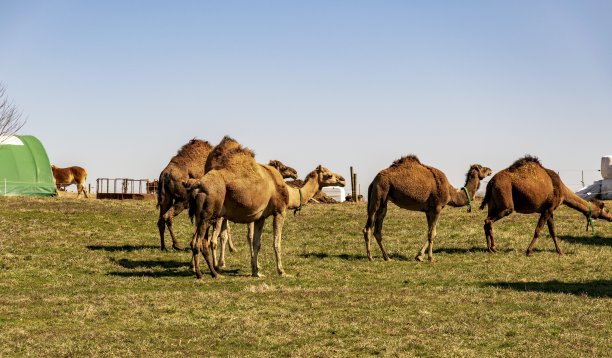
x: 71, y: 175
x: 320, y: 177
x: 527, y: 187
x: 415, y: 186
x: 188, y: 163
x: 241, y: 191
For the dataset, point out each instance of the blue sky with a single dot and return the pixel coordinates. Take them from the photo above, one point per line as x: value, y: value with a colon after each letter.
x: 119, y: 86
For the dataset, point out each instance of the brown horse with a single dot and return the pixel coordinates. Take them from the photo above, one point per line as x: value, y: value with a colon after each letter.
x: 68, y: 176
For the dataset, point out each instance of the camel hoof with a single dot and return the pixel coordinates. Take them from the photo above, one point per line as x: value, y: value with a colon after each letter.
x: 431, y: 259
x: 283, y: 274
x: 387, y: 258
x: 529, y: 253
x: 419, y: 258
x: 218, y: 277
x: 177, y: 248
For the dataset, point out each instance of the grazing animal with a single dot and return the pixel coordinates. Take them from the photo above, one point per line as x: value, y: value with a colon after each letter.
x: 527, y: 187
x: 188, y: 163
x: 68, y: 176
x: 415, y: 186
x: 320, y: 177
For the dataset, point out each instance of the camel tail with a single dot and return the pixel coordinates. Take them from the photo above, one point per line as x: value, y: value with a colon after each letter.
x: 195, y: 197
x: 485, y: 200
x: 370, y: 189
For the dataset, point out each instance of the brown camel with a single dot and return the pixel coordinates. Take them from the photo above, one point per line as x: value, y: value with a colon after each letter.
x: 68, y: 176
x: 222, y: 231
x: 188, y: 163
x: 415, y: 186
x: 527, y: 187
x: 242, y: 191
x: 298, y: 197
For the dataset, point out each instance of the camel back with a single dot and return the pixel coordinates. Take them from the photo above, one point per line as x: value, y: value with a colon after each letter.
x: 229, y: 154
x: 191, y: 158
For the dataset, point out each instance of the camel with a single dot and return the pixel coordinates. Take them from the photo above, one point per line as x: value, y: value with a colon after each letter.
x: 188, y: 163
x: 68, y: 176
x: 318, y: 178
x: 222, y: 230
x: 415, y: 186
x: 527, y: 187
x: 243, y: 191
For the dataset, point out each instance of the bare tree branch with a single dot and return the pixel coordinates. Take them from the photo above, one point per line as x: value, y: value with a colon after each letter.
x: 10, y: 116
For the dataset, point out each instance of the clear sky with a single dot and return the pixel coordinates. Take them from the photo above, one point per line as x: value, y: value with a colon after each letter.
x: 119, y: 86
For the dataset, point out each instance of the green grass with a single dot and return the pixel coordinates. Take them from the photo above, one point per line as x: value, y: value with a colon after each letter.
x: 87, y: 278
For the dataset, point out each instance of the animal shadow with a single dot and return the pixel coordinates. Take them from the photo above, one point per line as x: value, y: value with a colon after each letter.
x: 115, y: 248
x: 143, y: 268
x: 595, y: 288
x: 348, y: 257
x: 462, y: 250
x: 134, y: 264
x: 587, y: 240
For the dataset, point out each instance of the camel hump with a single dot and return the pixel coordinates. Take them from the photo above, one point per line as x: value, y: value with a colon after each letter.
x: 406, y: 160
x: 526, y: 160
x: 229, y: 153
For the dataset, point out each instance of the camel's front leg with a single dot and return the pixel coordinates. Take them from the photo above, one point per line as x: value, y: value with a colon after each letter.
x: 553, y: 233
x: 432, y: 221
x: 279, y: 219
x: 543, y: 219
x: 258, y: 228
x: 208, y: 255
x: 213, y: 243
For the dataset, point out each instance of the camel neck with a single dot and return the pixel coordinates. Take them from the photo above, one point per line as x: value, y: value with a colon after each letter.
x: 308, y: 190
x: 577, y: 203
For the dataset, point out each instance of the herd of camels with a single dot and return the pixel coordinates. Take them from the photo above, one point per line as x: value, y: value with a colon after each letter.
x: 224, y: 182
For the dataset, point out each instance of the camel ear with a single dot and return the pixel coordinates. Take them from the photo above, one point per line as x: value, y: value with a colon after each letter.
x: 319, y: 168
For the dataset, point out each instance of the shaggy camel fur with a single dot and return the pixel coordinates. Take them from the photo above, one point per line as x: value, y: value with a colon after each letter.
x: 527, y: 187
x: 222, y: 231
x: 188, y: 163
x: 241, y: 191
x: 415, y: 186
x: 298, y: 197
x: 71, y: 175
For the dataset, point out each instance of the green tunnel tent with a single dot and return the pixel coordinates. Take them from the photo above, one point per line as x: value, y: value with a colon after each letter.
x: 25, y: 167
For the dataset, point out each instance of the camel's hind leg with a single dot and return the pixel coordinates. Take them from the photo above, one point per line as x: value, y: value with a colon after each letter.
x: 488, y: 227
x: 378, y: 225
x: 553, y: 233
x: 541, y: 221
x: 81, y: 189
x: 223, y: 239
x: 170, y: 214
x: 432, y: 221
x: 164, y: 207
x: 258, y: 228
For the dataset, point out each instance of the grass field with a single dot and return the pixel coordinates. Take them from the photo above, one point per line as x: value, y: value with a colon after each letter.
x: 87, y: 278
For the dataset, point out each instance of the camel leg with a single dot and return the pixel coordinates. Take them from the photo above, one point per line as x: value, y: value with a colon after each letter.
x: 223, y: 242
x: 196, y: 247
x: 176, y: 209
x: 208, y: 255
x: 278, y: 221
x: 367, y: 234
x: 257, y: 230
x: 378, y: 225
x: 164, y: 212
x: 81, y: 189
x: 543, y: 219
x: 432, y: 221
x: 228, y: 233
x: 488, y: 226
x: 250, y: 234
x: 213, y: 241
x: 553, y: 234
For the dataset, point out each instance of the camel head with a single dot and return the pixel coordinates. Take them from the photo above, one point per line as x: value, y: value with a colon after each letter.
x: 480, y: 171
x: 286, y: 172
x: 603, y: 212
x: 327, y: 177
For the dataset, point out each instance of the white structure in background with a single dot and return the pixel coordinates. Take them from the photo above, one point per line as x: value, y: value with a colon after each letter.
x: 335, y: 192
x: 601, y: 189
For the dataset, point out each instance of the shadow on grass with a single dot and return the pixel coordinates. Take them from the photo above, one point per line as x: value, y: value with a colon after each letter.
x: 115, y: 248
x: 596, y: 288
x: 181, y: 273
x: 348, y: 257
x: 587, y: 239
x: 134, y: 264
x: 462, y: 250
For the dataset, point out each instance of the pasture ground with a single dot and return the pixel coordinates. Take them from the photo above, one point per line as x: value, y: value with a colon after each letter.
x: 87, y: 278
